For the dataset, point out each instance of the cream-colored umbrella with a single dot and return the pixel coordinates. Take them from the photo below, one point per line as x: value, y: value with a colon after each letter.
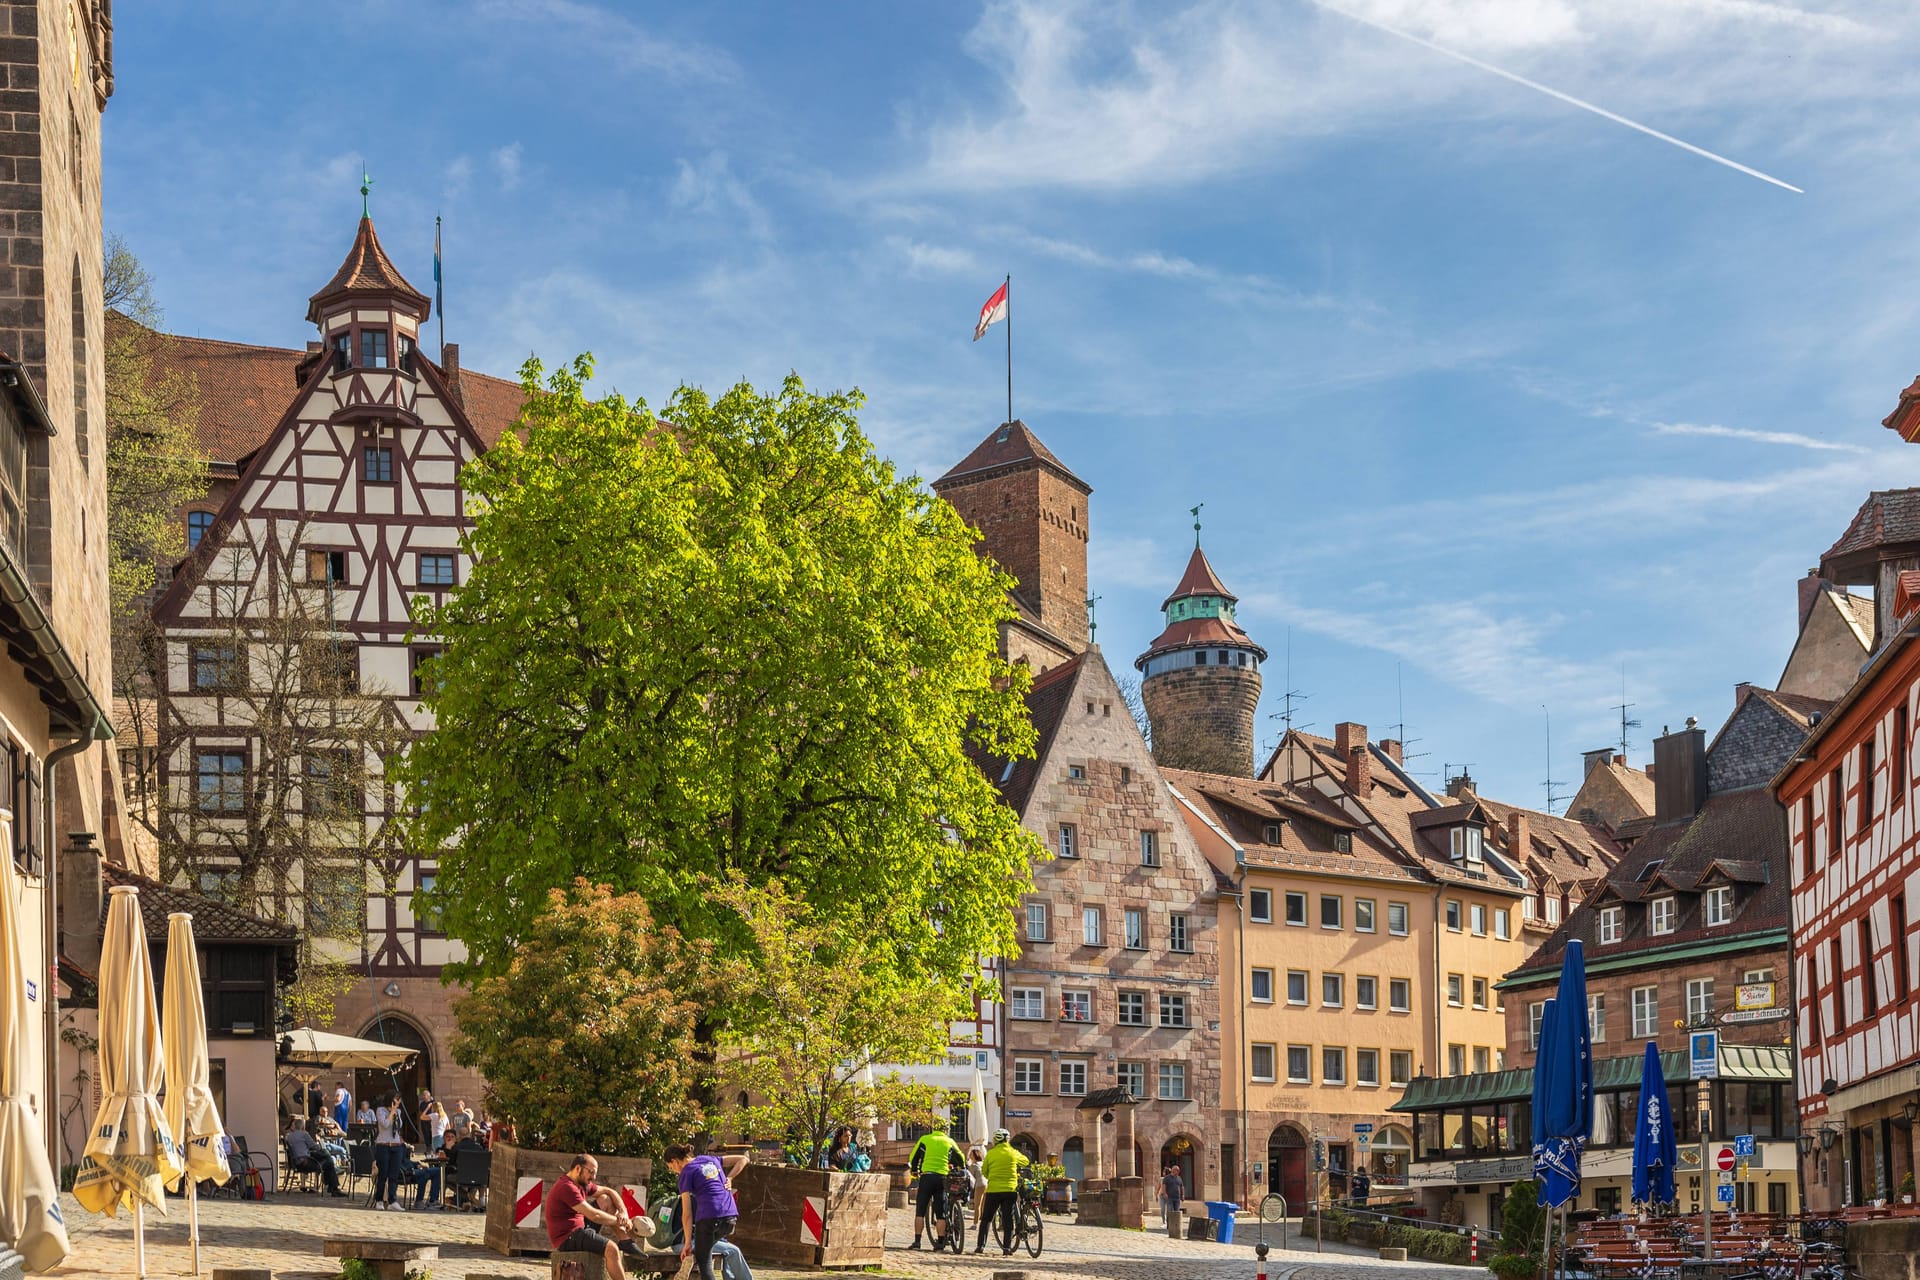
x: 29, y: 1197
x: 977, y: 1130
x: 130, y: 1153
x: 191, y: 1115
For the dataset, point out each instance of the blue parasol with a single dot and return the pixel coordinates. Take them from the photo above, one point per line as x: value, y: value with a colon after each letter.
x: 1654, y: 1153
x: 1563, y: 1100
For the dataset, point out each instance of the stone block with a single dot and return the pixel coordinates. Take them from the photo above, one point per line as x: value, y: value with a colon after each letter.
x: 242, y: 1273
x: 1392, y: 1255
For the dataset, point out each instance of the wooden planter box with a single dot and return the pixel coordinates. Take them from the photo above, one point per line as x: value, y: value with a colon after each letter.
x: 508, y: 1198
x: 776, y: 1228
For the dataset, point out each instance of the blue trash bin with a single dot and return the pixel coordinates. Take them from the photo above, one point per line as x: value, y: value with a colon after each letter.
x: 1222, y: 1211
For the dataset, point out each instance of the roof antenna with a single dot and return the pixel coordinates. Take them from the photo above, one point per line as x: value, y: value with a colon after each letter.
x: 1196, y: 525
x: 1553, y: 798
x: 1623, y: 707
x: 1285, y: 716
x: 1400, y: 730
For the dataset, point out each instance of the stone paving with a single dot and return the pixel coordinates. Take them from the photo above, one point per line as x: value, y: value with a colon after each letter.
x: 284, y: 1234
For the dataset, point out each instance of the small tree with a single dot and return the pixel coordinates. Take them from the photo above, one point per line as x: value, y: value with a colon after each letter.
x: 587, y: 1039
x: 814, y: 1014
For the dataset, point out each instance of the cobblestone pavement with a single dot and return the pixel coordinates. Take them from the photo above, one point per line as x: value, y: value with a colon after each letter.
x: 284, y: 1234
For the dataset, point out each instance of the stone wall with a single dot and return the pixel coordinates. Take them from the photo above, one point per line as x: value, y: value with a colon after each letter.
x: 1203, y: 718
x: 1033, y: 524
x: 426, y: 1004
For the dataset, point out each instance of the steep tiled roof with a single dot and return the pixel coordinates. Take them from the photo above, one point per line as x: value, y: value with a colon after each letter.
x: 366, y: 269
x: 1889, y: 517
x: 1200, y: 632
x: 1011, y: 442
x: 213, y: 921
x: 1047, y: 702
x: 1858, y: 611
x: 1573, y: 853
x: 1244, y: 808
x: 1198, y: 580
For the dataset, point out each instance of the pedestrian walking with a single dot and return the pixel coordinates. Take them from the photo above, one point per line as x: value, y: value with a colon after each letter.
x: 1173, y: 1190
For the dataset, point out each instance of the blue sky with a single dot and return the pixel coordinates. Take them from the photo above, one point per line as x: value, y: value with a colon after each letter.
x: 1487, y: 398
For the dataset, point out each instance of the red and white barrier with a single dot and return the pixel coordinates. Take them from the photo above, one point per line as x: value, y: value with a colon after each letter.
x: 635, y: 1199
x: 527, y: 1195
x: 813, y: 1221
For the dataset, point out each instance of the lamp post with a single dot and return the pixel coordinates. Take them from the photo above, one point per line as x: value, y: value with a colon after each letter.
x: 1703, y: 1102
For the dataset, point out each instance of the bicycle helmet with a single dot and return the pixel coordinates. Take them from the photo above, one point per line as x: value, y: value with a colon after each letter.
x: 999, y: 1136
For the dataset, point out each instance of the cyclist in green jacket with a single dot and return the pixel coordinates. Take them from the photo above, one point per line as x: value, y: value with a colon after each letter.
x: 1002, y: 1165
x: 932, y: 1157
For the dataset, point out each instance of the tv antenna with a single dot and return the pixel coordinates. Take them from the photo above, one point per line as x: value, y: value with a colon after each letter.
x: 1549, y: 784
x: 1400, y: 729
x: 1447, y: 774
x: 1623, y: 706
x: 1287, y: 699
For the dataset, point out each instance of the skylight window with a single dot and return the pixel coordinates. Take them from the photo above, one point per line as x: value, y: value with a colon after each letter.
x: 1647, y: 872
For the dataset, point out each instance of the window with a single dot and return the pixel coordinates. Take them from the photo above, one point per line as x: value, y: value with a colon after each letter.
x: 220, y: 781
x: 1272, y: 833
x: 1836, y: 813
x: 326, y: 566
x: 1363, y: 915
x: 1553, y: 910
x: 1479, y: 993
x: 1130, y: 1009
x: 1719, y: 900
x: 1092, y: 926
x: 198, y: 522
x: 1076, y: 773
x: 1456, y: 990
x: 1453, y: 914
x: 1299, y: 1064
x: 1260, y: 986
x: 1073, y: 1079
x: 1481, y: 1058
x: 1036, y: 922
x: 1069, y: 840
x: 1076, y: 1006
x: 1399, y: 1066
x: 1897, y: 770
x: 1456, y: 1059
x: 376, y: 464
x: 1029, y: 1004
x: 1343, y: 842
x: 1173, y: 1081
x: 1400, y: 995
x: 373, y: 348
x: 1029, y: 1075
x: 1866, y: 781
x: 1366, y: 992
x: 1502, y: 924
x: 342, y: 351
x: 1296, y: 986
x: 1173, y: 1010
x: 1330, y: 911
x: 217, y: 666
x: 1149, y: 848
x: 1610, y: 925
x: 1869, y: 974
x: 1757, y: 975
x: 1468, y: 843
x: 1177, y: 939
x: 329, y: 667
x: 1902, y: 974
x: 1597, y: 1017
x: 417, y: 671
x: 1126, y: 774
x: 1660, y: 915
x: 1297, y: 908
x: 1839, y: 989
x: 1699, y: 999
x: 1133, y: 1078
x: 329, y: 788
x: 1646, y: 1012
x: 1136, y: 922
x: 436, y: 570
x: 1535, y: 1011
x: 1261, y: 1066
x: 1478, y: 916
x: 1260, y: 906
x: 1333, y: 1066
x: 1397, y: 919
x: 1366, y: 1068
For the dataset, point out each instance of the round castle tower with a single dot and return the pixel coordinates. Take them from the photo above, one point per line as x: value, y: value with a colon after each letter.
x: 1200, y: 680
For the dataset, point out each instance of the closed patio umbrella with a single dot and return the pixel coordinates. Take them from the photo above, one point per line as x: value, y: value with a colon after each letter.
x: 1563, y: 1087
x: 29, y: 1197
x: 1654, y: 1150
x: 130, y: 1154
x: 191, y: 1114
x: 977, y: 1130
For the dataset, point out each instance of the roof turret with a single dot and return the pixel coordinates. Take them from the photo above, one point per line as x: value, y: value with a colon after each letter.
x: 368, y: 270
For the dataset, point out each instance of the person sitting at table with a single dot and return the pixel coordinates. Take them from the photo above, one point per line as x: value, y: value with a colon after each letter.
x: 331, y: 1139
x: 366, y: 1114
x: 307, y: 1156
x: 425, y: 1178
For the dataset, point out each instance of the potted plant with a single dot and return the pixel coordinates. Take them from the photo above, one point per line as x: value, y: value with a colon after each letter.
x: 1906, y: 1187
x: 1056, y: 1188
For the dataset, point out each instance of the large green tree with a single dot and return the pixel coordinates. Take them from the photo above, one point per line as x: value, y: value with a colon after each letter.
x: 732, y: 641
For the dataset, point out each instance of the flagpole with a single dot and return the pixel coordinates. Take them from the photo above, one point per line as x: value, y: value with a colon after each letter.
x: 1009, y: 283
x: 438, y: 293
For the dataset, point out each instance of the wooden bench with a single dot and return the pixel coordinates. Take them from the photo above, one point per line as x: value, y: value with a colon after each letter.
x: 580, y: 1265
x: 389, y: 1257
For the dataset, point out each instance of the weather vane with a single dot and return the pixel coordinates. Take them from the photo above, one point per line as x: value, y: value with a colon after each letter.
x: 1092, y: 626
x: 366, y: 189
x: 1196, y: 523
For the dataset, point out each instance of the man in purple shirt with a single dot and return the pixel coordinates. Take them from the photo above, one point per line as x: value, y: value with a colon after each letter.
x: 706, y: 1201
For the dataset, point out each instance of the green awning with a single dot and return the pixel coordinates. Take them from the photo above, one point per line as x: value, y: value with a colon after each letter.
x: 1448, y: 1093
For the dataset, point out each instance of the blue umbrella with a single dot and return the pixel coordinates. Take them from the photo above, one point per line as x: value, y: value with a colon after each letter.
x: 1653, y: 1147
x: 1563, y: 1110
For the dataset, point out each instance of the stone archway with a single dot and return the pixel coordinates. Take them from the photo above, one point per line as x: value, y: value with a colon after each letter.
x: 1287, y: 1164
x: 1073, y: 1158
x: 1027, y: 1145
x: 407, y: 1080
x: 1181, y: 1151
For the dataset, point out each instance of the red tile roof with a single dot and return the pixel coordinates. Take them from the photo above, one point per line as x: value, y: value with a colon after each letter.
x: 366, y: 269
x: 1889, y: 517
x: 1198, y: 580
x: 213, y: 920
x: 1011, y: 443
x: 1198, y: 633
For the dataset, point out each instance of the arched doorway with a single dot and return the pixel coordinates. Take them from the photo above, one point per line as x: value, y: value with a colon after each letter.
x: 408, y: 1079
x: 1027, y: 1145
x: 1073, y: 1158
x: 1183, y: 1153
x: 1389, y: 1157
x: 1287, y: 1164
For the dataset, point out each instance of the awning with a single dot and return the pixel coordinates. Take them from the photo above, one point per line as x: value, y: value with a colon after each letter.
x: 1447, y: 1093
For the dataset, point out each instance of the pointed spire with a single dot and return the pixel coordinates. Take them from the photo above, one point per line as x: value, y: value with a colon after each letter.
x: 1199, y: 580
x: 368, y: 270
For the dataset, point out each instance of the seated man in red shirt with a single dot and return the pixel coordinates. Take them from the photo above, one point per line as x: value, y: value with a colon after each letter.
x: 574, y: 1203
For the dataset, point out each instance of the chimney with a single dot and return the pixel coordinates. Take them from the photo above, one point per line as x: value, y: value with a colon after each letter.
x: 1393, y: 749
x: 1810, y: 588
x: 1350, y: 740
x: 1680, y: 777
x: 1741, y: 692
x: 1461, y: 784
x: 1519, y: 833
x: 313, y: 346
x: 81, y: 894
x: 450, y: 366
x: 1621, y: 761
x: 1591, y: 760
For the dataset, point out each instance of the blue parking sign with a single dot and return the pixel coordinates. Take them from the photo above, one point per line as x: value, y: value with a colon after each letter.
x: 1724, y: 1193
x: 1743, y: 1145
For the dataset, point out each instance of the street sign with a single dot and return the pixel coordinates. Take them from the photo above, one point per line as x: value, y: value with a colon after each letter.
x: 1020, y: 1115
x: 1703, y: 1055
x: 1363, y: 1128
x: 1724, y: 1193
x: 1725, y: 1159
x: 1756, y: 1015
x: 1753, y: 995
x: 1743, y: 1145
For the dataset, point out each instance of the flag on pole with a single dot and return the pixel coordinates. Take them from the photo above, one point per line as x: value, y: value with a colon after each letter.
x: 436, y: 266
x: 991, y: 314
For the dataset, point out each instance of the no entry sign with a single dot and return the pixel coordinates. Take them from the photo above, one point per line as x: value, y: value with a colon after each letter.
x: 1725, y: 1159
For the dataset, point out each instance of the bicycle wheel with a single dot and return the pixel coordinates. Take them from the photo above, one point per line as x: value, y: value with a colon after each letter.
x: 957, y: 1229
x: 1030, y: 1220
x: 1003, y: 1228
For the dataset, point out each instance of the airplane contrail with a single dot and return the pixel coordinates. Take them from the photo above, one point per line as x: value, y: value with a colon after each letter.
x: 1567, y: 98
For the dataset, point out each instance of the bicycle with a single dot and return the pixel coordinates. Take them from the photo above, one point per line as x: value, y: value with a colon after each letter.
x: 1028, y: 1229
x: 959, y: 1195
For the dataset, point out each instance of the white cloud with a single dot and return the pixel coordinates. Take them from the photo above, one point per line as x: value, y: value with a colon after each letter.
x: 710, y: 187
x: 506, y: 164
x: 459, y: 176
x: 587, y: 27
x: 1758, y: 437
x: 933, y: 259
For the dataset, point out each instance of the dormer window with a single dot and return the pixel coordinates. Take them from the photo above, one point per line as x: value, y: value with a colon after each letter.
x: 1469, y: 843
x: 1612, y: 926
x: 373, y: 348
x: 1719, y: 905
x: 1661, y: 915
x: 342, y: 351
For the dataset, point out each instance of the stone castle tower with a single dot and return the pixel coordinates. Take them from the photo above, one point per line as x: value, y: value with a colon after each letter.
x: 1200, y: 679
x: 1031, y: 512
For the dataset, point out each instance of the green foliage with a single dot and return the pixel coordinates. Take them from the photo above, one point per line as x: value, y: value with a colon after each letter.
x: 1522, y: 1221
x: 587, y: 1039
x: 738, y: 644
x: 1514, y: 1266
x: 1045, y: 1173
x: 812, y: 1014
x: 1426, y: 1242
x: 1906, y: 1184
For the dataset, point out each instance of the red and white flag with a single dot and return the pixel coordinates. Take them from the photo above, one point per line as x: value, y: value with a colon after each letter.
x: 993, y: 313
